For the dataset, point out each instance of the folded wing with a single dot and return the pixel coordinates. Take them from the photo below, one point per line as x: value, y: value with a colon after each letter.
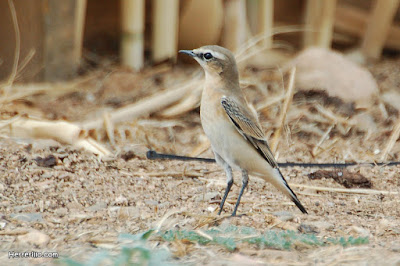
x: 249, y: 128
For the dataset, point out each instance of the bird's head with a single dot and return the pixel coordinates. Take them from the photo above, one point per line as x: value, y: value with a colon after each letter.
x: 215, y: 60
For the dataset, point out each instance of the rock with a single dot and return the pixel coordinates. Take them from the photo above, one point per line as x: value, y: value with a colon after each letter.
x: 34, y: 237
x: 365, y: 122
x: 284, y: 215
x: 395, y: 246
x: 49, y: 161
x: 134, y: 151
x: 121, y: 200
x: 308, y: 229
x: 359, y: 231
x: 151, y: 202
x: 97, y: 207
x: 385, y: 225
x: 330, y: 204
x: 19, y: 208
x: 322, y: 225
x: 207, y: 196
x: 61, y: 212
x: 318, y: 68
x: 130, y: 212
x: 3, y: 224
x: 27, y: 217
x: 392, y: 98
x: 212, y: 208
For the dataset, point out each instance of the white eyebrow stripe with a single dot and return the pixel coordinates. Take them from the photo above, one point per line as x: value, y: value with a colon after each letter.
x: 218, y: 55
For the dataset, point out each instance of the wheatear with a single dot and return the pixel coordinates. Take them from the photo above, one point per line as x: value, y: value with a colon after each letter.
x: 236, y: 136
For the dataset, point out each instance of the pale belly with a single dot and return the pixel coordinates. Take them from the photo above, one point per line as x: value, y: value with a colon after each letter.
x: 232, y: 146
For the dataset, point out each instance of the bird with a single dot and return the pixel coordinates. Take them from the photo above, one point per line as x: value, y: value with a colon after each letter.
x: 232, y: 126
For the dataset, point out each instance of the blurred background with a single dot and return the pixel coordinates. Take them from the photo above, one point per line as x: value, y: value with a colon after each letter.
x: 58, y: 40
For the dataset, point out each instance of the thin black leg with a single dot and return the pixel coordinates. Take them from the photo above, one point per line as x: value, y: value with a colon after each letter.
x: 229, y: 179
x: 245, y: 181
x: 228, y: 188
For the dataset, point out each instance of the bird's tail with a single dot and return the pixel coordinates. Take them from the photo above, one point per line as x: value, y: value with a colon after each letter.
x: 281, y: 184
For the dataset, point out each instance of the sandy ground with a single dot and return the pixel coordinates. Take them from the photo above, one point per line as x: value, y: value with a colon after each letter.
x: 75, y: 204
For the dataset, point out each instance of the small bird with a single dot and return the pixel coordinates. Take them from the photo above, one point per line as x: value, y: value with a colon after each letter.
x: 232, y: 127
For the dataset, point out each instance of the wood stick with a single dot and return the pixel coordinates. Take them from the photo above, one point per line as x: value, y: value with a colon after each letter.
x: 392, y: 140
x: 187, y: 104
x: 347, y: 190
x: 319, y: 18
x: 109, y: 126
x: 323, y: 138
x: 286, y: 104
x: 378, y: 27
x: 60, y: 131
x: 165, y: 29
x: 132, y: 43
x: 145, y: 106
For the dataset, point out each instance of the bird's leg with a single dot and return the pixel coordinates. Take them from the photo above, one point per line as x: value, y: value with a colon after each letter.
x: 229, y: 179
x: 245, y: 181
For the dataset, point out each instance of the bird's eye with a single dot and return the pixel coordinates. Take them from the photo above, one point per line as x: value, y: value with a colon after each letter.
x: 208, y: 56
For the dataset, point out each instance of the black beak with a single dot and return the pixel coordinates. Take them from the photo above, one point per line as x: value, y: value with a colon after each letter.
x: 188, y: 52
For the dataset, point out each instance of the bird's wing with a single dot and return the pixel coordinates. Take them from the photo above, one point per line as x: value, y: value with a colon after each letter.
x: 248, y: 127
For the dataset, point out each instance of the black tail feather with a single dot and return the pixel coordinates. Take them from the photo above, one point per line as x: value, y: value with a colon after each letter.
x: 299, y: 205
x: 293, y: 196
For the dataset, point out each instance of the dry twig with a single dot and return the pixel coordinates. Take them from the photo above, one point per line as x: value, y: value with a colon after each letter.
x: 347, y: 190
x: 285, y: 108
x: 392, y: 140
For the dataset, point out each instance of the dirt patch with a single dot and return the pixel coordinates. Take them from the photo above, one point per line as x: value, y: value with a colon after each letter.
x: 343, y: 177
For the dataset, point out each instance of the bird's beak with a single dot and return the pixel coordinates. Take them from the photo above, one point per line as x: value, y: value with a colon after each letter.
x: 188, y: 52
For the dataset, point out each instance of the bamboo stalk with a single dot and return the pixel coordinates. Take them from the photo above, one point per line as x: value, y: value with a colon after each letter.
x: 132, y: 43
x: 63, y: 38
x: 236, y: 29
x: 165, y: 29
x: 80, y: 13
x: 353, y: 21
x: 378, y: 27
x: 319, y: 18
x: 265, y: 21
x: 13, y: 74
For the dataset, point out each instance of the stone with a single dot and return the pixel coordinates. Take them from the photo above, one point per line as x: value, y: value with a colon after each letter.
x: 34, y: 237
x: 284, y: 215
x: 27, y: 217
x: 319, y: 68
